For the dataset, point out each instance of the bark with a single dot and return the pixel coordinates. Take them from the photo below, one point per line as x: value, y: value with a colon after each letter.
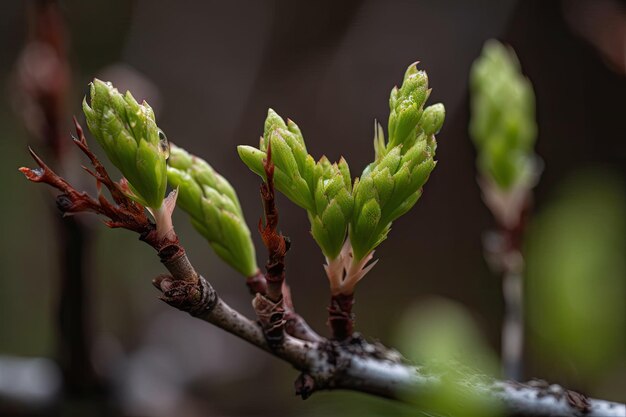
x: 340, y: 317
x: 370, y: 368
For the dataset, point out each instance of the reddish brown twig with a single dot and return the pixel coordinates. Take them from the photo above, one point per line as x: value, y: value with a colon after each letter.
x: 503, y: 252
x: 269, y: 306
x: 340, y: 317
x: 276, y: 244
x: 295, y: 325
x: 256, y: 283
x: 273, y: 302
x: 123, y: 213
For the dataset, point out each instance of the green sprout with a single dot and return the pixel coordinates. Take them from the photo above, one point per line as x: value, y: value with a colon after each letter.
x: 322, y: 188
x: 128, y: 133
x: 388, y: 187
x: 214, y: 209
x: 132, y: 141
x: 503, y: 123
x: 392, y: 184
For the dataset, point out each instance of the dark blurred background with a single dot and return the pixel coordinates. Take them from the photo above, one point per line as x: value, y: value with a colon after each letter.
x: 211, y: 70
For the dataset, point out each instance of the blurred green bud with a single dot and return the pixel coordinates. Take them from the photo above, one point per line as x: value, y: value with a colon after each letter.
x: 502, y: 122
x: 214, y: 208
x: 128, y: 133
x: 323, y: 189
x: 392, y: 184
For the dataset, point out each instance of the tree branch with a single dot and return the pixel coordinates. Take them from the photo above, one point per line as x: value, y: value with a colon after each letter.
x: 374, y: 369
x: 325, y: 365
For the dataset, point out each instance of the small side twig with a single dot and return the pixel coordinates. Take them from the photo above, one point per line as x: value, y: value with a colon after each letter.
x: 269, y: 306
x: 123, y: 212
x: 340, y: 316
x: 503, y: 251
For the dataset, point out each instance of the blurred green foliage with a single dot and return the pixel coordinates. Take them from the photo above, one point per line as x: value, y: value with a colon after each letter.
x: 577, y: 275
x: 442, y: 335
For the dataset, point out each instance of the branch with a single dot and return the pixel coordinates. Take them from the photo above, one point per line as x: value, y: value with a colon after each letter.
x: 325, y: 365
x: 373, y: 369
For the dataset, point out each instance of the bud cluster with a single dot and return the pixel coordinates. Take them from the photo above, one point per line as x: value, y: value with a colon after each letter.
x: 393, y: 183
x: 322, y: 188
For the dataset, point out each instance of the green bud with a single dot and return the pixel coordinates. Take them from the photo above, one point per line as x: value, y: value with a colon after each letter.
x: 502, y: 123
x: 406, y: 106
x: 432, y: 119
x: 214, y: 208
x: 128, y: 133
x: 393, y: 183
x: 333, y: 206
x: 323, y: 189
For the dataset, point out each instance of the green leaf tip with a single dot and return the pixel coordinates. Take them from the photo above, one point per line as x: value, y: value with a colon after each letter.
x: 214, y: 209
x: 128, y: 133
x: 502, y: 123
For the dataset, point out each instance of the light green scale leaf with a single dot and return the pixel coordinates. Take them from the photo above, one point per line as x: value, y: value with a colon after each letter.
x: 151, y: 184
x: 432, y: 119
x: 368, y: 218
x: 363, y: 192
x: 253, y: 158
x: 345, y: 201
x: 282, y: 156
x: 320, y: 234
x: 336, y: 225
x: 391, y: 161
x: 189, y: 192
x: 383, y: 182
x: 344, y: 169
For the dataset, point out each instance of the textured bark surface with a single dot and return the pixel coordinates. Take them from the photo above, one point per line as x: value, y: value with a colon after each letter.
x: 340, y: 317
x: 358, y: 365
